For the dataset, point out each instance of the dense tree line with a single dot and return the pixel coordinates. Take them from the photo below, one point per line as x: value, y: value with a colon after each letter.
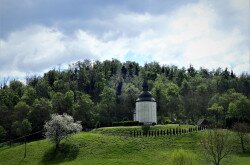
x: 99, y: 93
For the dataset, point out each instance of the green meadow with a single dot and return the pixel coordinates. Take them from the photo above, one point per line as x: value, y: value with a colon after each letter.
x: 112, y: 145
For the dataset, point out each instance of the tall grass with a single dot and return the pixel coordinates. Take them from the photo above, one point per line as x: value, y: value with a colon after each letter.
x: 182, y: 157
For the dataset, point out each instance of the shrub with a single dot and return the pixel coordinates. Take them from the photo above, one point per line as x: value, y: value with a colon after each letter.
x: 131, y: 123
x: 145, y: 129
x: 168, y: 121
x: 117, y: 124
x: 182, y: 157
x: 126, y: 123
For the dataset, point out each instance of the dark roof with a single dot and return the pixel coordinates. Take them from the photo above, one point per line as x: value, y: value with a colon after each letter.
x: 203, y: 122
x: 145, y: 94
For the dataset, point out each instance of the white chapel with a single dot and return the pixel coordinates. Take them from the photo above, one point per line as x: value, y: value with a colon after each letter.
x: 145, y: 107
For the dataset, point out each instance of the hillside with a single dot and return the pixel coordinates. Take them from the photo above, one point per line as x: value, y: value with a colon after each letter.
x: 102, y: 93
x: 97, y: 147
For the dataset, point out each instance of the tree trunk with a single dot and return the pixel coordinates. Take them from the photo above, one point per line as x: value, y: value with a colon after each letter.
x: 10, y: 140
x: 25, y: 148
x: 217, y: 162
x: 242, y: 145
x: 57, y: 146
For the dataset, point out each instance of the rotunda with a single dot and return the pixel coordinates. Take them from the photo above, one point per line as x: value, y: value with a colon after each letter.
x: 145, y: 107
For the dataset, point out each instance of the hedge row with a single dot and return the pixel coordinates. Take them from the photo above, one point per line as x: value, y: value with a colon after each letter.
x: 171, y: 131
x: 126, y: 123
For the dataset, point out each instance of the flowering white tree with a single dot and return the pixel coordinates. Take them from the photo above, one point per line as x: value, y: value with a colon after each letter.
x: 60, y: 127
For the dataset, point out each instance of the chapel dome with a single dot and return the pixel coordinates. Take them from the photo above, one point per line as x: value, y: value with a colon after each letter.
x: 145, y: 94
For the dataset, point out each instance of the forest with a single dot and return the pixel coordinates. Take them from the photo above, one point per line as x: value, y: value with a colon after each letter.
x: 101, y: 93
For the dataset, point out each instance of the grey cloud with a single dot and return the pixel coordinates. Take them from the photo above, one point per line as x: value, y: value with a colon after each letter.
x: 36, y: 48
x: 74, y: 31
x: 16, y: 14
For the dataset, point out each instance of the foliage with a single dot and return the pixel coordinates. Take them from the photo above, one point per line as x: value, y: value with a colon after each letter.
x: 21, y: 128
x: 216, y: 145
x: 42, y: 89
x: 130, y: 93
x: 240, y: 108
x: 2, y: 133
x: 83, y: 110
x: 242, y: 130
x: 29, y: 95
x: 58, y: 103
x: 106, y: 107
x: 217, y: 111
x: 41, y: 112
x: 17, y: 87
x: 21, y: 111
x: 60, y: 127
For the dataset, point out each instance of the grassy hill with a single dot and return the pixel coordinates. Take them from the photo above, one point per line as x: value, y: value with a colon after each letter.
x: 101, y: 147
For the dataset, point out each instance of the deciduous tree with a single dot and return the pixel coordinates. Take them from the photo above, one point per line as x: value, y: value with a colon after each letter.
x: 40, y: 113
x: 217, y: 111
x: 60, y: 127
x: 216, y: 145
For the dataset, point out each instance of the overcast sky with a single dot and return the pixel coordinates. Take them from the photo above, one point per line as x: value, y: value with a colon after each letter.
x: 37, y: 35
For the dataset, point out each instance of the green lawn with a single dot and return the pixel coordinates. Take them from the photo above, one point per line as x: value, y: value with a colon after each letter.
x: 99, y: 147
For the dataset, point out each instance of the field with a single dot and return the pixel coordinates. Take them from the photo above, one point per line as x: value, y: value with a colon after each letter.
x: 103, y: 146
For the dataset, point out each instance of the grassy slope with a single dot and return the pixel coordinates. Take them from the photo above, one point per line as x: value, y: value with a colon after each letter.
x: 98, y: 148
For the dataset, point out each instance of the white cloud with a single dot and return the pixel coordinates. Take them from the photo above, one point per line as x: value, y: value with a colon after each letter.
x: 241, y: 7
x: 31, y: 50
x: 189, y: 35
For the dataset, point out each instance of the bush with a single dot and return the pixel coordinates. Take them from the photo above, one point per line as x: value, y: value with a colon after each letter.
x: 126, y: 123
x: 131, y: 123
x: 117, y: 124
x: 167, y: 120
x: 182, y: 157
x: 145, y: 129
